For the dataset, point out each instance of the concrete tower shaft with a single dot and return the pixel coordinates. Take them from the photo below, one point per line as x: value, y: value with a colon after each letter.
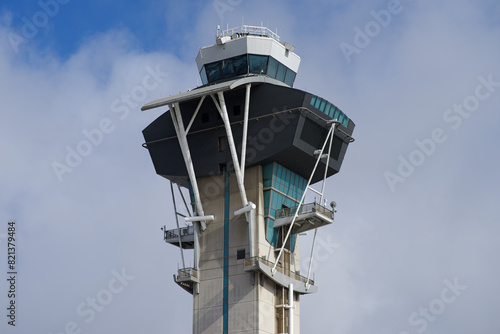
x: 234, y: 296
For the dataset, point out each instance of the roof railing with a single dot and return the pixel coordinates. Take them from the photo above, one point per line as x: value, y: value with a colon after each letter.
x: 248, y: 30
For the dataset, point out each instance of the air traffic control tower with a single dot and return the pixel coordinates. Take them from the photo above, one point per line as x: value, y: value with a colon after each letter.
x: 247, y: 146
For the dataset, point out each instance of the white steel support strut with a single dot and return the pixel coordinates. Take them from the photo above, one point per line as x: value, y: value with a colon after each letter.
x: 232, y: 147
x: 178, y: 227
x: 245, y: 131
x: 330, y: 133
x: 195, y: 113
x: 320, y: 201
x: 327, y: 163
x: 248, y: 207
x: 175, y: 113
x: 249, y: 211
x: 290, y: 308
x: 311, y: 258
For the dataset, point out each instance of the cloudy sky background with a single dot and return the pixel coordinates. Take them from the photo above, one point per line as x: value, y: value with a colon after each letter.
x: 393, y: 250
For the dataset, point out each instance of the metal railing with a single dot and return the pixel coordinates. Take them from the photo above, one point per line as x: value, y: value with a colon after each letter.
x: 305, y: 208
x: 252, y: 262
x: 187, y: 273
x: 272, y: 114
x: 249, y: 30
x: 173, y: 234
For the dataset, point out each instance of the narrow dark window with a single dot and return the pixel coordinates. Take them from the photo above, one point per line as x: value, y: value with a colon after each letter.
x: 240, y: 254
x: 222, y: 141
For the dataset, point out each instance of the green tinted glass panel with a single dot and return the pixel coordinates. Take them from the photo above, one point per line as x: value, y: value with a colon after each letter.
x: 227, y: 68
x: 267, y: 174
x: 290, y: 77
x: 203, y: 75
x: 336, y: 114
x: 267, y: 195
x: 272, y: 68
x: 318, y: 102
x: 270, y: 230
x: 258, y: 64
x: 240, y: 65
x: 293, y: 240
x: 341, y: 117
x: 345, y: 122
x: 287, y: 176
x: 327, y: 108
x: 322, y: 106
x: 313, y: 100
x: 281, y: 72
x: 213, y: 71
x: 331, y: 109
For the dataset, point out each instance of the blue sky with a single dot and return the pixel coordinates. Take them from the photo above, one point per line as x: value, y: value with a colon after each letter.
x: 72, y: 23
x: 417, y: 194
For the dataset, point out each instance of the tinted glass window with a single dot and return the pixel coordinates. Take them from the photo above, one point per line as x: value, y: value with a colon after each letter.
x: 313, y: 100
x: 336, y: 114
x: 240, y: 65
x: 290, y: 77
x: 240, y: 254
x: 213, y: 72
x: 281, y: 72
x: 327, y: 108
x: 322, y: 106
x: 227, y: 68
x: 272, y: 68
x: 318, y: 102
x: 341, y: 118
x: 258, y: 64
x: 203, y: 75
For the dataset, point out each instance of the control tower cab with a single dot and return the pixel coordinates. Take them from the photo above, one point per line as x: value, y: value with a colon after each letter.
x: 248, y: 51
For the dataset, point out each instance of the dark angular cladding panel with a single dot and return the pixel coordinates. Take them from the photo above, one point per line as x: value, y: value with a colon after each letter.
x: 311, y: 135
x: 267, y: 98
x: 163, y: 147
x: 277, y: 131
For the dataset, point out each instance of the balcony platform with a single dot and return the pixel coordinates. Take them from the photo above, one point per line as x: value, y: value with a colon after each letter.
x: 310, y: 216
x: 186, y: 278
x: 187, y: 237
x: 300, y: 283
